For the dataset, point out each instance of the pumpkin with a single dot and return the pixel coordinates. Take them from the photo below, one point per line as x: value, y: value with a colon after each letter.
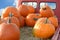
x: 31, y: 19
x: 9, y: 9
x: 42, y: 20
x: 46, y: 11
x: 9, y: 31
x: 1, y: 20
x: 23, y: 10
x: 54, y: 21
x: 22, y: 21
x: 31, y: 9
x: 43, y: 29
x: 13, y: 20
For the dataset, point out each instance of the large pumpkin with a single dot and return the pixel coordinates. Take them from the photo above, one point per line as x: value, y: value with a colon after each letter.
x: 9, y: 31
x: 54, y: 21
x: 22, y: 21
x: 32, y: 18
x: 46, y: 11
x: 12, y: 20
x: 23, y: 10
x: 2, y: 20
x: 9, y: 9
x: 43, y: 29
x: 31, y: 9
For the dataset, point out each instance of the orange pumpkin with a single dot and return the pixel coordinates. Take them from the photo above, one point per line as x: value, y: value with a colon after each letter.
x: 54, y: 21
x: 31, y: 9
x: 9, y: 9
x: 43, y: 29
x: 42, y: 20
x: 13, y: 20
x: 23, y: 10
x: 32, y: 18
x: 46, y: 11
x: 9, y: 31
x: 1, y: 20
x: 22, y: 21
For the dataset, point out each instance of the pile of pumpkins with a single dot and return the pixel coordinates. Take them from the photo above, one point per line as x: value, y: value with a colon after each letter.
x: 12, y: 19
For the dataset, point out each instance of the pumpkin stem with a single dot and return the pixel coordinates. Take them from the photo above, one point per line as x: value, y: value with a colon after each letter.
x: 44, y: 8
x: 9, y: 21
x: 37, y: 14
x: 46, y: 20
x: 10, y: 15
x: 35, y: 19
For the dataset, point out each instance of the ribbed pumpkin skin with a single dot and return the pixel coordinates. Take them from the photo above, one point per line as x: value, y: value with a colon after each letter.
x: 46, y: 11
x: 22, y: 21
x: 43, y: 29
x: 2, y: 20
x: 9, y: 9
x: 31, y: 19
x: 23, y: 10
x: 43, y: 20
x: 13, y: 20
x: 9, y: 31
x: 31, y: 9
x: 54, y: 21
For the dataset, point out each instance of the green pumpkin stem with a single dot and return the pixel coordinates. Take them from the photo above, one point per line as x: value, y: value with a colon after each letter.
x: 9, y: 21
x: 35, y: 19
x: 10, y: 15
x: 46, y: 20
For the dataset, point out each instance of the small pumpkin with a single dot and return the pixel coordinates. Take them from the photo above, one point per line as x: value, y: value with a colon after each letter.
x: 32, y: 18
x: 9, y: 31
x: 31, y: 9
x: 9, y: 9
x: 46, y: 11
x: 43, y: 29
x: 13, y: 20
x: 54, y: 21
x: 23, y: 10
